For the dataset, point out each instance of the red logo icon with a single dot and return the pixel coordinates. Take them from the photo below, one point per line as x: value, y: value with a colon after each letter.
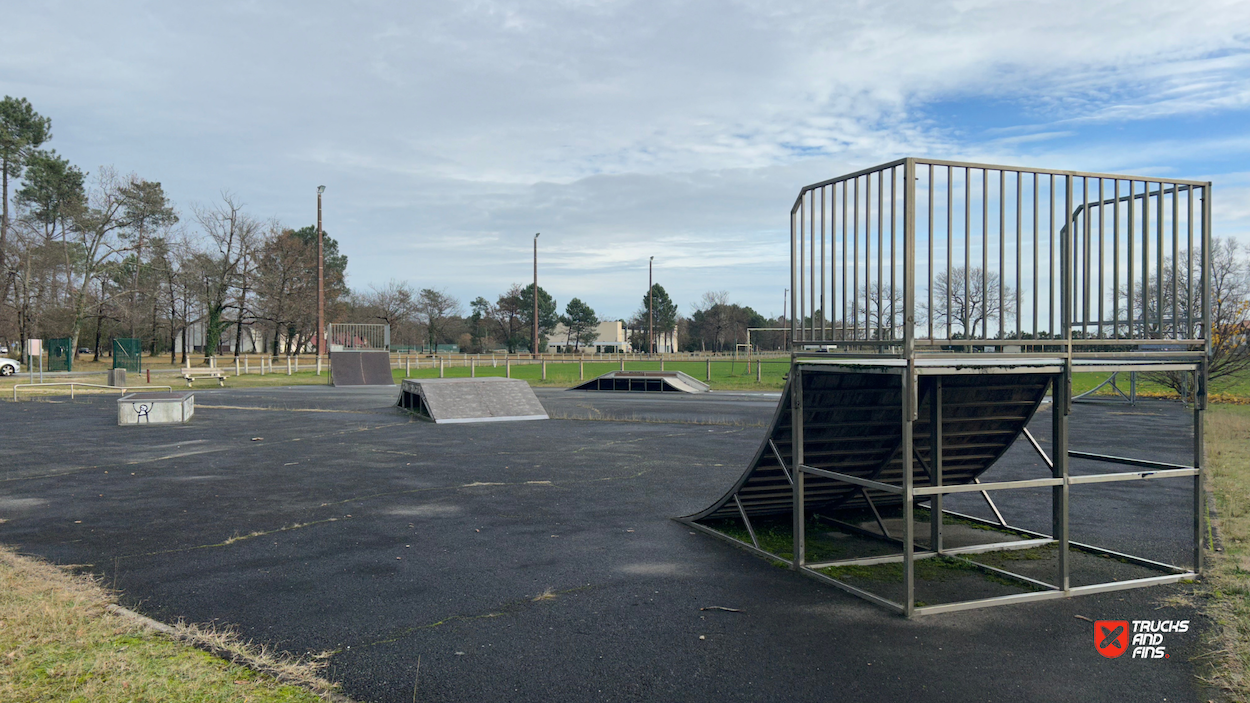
x: 1111, y: 637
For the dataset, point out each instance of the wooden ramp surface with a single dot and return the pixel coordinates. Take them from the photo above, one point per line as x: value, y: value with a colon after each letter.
x: 852, y: 425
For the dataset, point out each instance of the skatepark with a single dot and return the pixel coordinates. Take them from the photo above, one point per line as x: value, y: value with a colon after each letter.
x: 539, y: 560
x: 641, y: 538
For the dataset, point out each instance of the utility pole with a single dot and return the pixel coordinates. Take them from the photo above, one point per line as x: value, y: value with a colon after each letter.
x: 535, y: 347
x: 321, y: 285
x: 650, y: 308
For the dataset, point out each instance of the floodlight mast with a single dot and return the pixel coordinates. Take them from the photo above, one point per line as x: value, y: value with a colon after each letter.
x: 321, y: 285
x: 650, y: 308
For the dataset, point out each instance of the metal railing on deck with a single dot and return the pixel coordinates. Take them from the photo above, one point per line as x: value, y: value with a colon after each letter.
x: 960, y: 256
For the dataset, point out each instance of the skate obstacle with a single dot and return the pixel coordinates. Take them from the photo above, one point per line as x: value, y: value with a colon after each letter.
x: 361, y: 368
x: 460, y: 400
x: 898, y: 397
x: 645, y: 382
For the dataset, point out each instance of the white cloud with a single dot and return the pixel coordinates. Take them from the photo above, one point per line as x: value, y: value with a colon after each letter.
x: 449, y: 132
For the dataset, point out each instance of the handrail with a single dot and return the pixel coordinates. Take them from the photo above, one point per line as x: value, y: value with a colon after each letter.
x: 71, y: 385
x: 916, y: 251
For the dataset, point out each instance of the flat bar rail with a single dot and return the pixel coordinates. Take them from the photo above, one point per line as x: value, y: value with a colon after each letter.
x: 934, y: 255
x: 72, y: 384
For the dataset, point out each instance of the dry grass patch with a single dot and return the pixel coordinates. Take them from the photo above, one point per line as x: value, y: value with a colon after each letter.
x: 1226, y: 585
x: 60, y: 642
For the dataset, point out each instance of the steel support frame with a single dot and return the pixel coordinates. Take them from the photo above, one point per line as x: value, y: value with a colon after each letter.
x: 1060, y: 482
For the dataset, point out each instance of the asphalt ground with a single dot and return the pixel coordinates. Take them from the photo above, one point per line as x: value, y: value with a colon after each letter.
x: 537, y: 561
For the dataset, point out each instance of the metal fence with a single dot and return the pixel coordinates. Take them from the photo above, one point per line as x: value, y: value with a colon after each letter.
x: 358, y: 336
x: 935, y: 254
x: 128, y: 354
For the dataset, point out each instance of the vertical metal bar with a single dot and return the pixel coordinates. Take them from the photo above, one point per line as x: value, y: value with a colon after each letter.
x: 965, y: 313
x: 893, y: 261
x: 1189, y: 268
x: 909, y: 258
x: 1115, y: 263
x: 1084, y: 256
x: 1052, y: 274
x: 1176, y: 260
x: 867, y: 256
x: 1019, y: 215
x: 1037, y: 288
x: 855, y: 268
x: 1002, y: 254
x: 909, y: 527
x: 844, y: 298
x: 799, y: 292
x: 796, y: 451
x: 950, y: 243
x: 824, y: 311
x: 1102, y: 217
x: 985, y: 253
x: 1159, y: 246
x: 930, y: 272
x: 812, y: 281
x: 935, y: 462
x: 793, y: 298
x: 1145, y: 260
x: 1129, y: 276
x: 1200, y: 406
x: 1065, y: 267
x: 880, y: 242
x: 1206, y: 268
x: 833, y: 258
x: 1061, y: 397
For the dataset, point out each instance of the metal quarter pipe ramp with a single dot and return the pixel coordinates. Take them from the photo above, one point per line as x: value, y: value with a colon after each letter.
x: 361, y: 368
x: 852, y: 427
x: 459, y: 400
x: 645, y: 382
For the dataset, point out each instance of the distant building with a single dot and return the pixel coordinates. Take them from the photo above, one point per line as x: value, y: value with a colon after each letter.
x: 613, y: 339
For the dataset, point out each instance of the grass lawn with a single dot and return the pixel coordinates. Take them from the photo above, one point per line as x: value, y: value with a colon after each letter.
x: 726, y: 375
x: 1226, y: 583
x: 58, y: 642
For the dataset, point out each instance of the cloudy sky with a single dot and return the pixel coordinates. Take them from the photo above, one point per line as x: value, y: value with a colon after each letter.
x: 447, y: 134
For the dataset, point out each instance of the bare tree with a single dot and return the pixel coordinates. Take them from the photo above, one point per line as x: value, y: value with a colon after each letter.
x: 879, y: 314
x: 1170, y: 307
x: 231, y: 236
x: 966, y: 301
x: 435, y: 308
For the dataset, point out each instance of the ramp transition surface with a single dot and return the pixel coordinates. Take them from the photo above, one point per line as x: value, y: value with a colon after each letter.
x: 361, y: 368
x: 452, y: 400
x: 852, y: 425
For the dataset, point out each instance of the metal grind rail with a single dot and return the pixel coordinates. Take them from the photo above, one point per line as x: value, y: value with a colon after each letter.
x: 73, y: 384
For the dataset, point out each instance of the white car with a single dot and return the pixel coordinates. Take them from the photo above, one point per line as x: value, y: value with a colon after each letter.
x: 9, y: 367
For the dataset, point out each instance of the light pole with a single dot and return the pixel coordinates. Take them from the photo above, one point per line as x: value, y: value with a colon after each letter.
x: 785, y: 297
x: 650, y: 307
x: 321, y: 285
x: 535, y: 347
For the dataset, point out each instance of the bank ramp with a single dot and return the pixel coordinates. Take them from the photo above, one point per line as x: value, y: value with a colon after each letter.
x: 458, y: 400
